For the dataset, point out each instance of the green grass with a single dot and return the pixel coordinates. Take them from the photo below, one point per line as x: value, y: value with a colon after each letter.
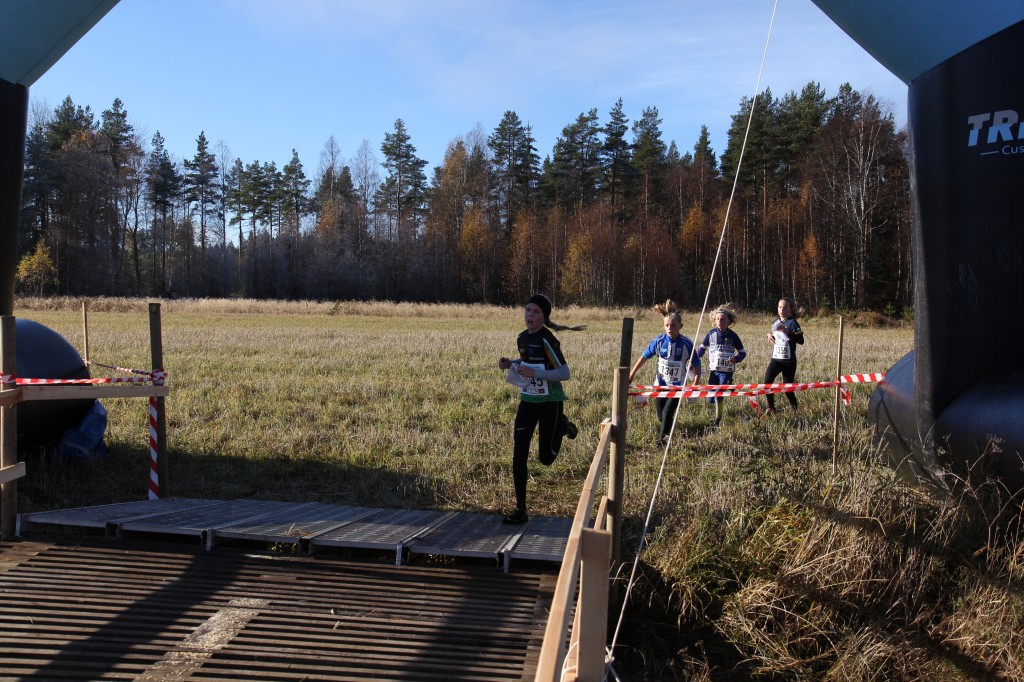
x: 761, y: 563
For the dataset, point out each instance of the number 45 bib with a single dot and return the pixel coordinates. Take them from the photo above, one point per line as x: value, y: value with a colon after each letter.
x: 534, y: 386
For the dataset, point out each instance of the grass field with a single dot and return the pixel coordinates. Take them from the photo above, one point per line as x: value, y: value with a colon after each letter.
x: 761, y: 564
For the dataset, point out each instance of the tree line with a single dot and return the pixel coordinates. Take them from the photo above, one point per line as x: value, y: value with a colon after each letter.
x: 613, y: 215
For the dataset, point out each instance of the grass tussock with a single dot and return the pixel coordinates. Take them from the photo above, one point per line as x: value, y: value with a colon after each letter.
x: 761, y: 562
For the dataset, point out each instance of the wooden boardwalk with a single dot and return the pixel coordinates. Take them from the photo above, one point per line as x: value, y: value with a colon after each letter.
x: 314, y: 526
x: 96, y: 609
x: 185, y: 589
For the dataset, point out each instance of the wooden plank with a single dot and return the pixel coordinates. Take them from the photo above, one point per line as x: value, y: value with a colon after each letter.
x: 215, y: 633
x: 88, y: 392
x: 592, y: 609
x: 553, y: 651
x: 12, y: 473
x: 315, y: 525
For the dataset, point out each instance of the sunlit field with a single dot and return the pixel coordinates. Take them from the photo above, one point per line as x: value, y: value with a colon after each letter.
x: 761, y: 563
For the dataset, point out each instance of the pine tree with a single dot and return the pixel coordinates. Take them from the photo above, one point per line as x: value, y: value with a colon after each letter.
x: 38, y: 188
x: 705, y: 167
x: 295, y: 190
x: 202, y: 188
x: 800, y: 118
x: 616, y: 160
x: 234, y: 203
x: 405, y: 186
x: 649, y: 154
x: 575, y: 168
x: 514, y: 162
x: 125, y: 185
x: 163, y: 184
x: 69, y: 120
x: 762, y: 156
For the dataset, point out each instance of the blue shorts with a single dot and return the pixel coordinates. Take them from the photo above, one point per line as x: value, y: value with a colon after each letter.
x: 718, y: 378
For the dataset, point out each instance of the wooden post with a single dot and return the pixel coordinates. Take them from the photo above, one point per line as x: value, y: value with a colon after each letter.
x: 839, y: 392
x: 85, y: 332
x: 617, y: 453
x: 157, y: 353
x: 8, y: 431
x: 593, y: 626
x: 626, y: 344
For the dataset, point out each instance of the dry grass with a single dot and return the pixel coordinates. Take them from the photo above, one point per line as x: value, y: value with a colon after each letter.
x: 761, y: 563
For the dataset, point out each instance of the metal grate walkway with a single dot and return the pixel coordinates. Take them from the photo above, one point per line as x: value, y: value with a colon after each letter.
x: 94, y: 610
x: 312, y: 525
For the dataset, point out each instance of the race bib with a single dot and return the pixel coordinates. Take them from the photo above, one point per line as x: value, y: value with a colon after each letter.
x: 781, y: 350
x: 720, y: 356
x: 534, y: 386
x: 670, y: 370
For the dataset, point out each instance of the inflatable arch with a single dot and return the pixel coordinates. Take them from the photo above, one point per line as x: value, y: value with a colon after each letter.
x: 45, y: 354
x: 956, y: 402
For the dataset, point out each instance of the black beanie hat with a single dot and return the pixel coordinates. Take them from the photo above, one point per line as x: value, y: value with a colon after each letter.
x: 543, y: 303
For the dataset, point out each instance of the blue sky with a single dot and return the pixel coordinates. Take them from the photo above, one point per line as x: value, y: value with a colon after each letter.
x: 267, y: 76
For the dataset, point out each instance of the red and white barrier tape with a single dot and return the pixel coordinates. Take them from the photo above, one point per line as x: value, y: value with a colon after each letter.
x: 157, y: 377
x: 120, y: 369
x: 154, y: 471
x: 751, y: 390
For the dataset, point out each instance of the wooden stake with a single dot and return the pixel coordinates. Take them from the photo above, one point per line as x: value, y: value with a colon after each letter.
x: 157, y: 353
x: 839, y: 391
x: 617, y: 454
x: 85, y: 331
x: 592, y: 632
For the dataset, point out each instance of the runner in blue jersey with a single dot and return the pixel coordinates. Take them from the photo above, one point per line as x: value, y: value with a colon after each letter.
x: 539, y: 373
x: 674, y: 352
x: 725, y: 350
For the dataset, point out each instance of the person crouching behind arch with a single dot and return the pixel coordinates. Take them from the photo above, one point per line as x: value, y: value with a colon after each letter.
x: 539, y: 373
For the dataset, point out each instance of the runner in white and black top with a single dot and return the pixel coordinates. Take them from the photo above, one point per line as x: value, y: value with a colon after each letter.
x: 784, y: 337
x: 539, y: 373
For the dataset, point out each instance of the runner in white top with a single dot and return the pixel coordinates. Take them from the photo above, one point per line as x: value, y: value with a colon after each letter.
x: 784, y: 337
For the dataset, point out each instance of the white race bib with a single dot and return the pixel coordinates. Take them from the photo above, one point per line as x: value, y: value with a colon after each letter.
x: 534, y: 386
x: 780, y: 351
x: 670, y: 370
x: 720, y: 356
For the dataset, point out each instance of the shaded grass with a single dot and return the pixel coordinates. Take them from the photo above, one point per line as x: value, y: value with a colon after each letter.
x: 761, y: 563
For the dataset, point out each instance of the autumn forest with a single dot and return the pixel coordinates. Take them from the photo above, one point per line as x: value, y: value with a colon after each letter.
x: 612, y: 215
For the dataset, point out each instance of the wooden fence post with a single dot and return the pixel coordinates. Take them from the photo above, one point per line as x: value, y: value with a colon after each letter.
x: 617, y: 454
x: 157, y: 352
x: 85, y: 332
x: 839, y: 393
x: 593, y: 628
x: 8, y: 430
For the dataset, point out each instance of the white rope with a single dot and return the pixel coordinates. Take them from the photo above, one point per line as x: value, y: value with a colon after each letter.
x: 707, y: 297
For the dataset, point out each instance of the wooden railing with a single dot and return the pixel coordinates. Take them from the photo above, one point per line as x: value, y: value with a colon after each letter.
x: 11, y: 394
x: 590, y: 553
